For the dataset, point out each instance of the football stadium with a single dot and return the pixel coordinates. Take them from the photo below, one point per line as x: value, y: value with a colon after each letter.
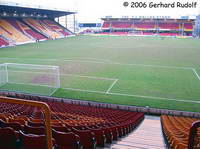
x: 118, y: 83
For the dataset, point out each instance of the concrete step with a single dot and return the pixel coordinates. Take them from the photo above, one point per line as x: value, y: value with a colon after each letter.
x: 148, y: 135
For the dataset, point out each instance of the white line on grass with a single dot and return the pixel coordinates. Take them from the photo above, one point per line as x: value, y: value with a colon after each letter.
x: 195, y: 72
x: 98, y: 62
x: 90, y: 77
x: 111, y: 86
x: 158, y: 98
x: 132, y: 95
x: 53, y: 92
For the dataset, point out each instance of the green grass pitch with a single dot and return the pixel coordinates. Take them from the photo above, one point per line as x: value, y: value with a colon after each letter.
x: 141, y: 71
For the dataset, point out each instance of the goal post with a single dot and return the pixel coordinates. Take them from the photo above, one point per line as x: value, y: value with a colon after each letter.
x: 3, y: 75
x: 30, y: 78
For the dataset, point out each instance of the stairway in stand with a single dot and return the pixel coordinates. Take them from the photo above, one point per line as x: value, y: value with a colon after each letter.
x: 148, y: 135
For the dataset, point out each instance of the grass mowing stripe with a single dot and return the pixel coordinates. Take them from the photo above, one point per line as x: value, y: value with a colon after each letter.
x: 83, y: 90
x: 90, y: 77
x: 103, y: 62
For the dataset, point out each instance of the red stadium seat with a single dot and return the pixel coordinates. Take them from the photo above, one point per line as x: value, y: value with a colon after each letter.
x: 36, y: 124
x: 30, y: 141
x: 66, y: 140
x: 100, y: 137
x: 87, y: 138
x: 34, y: 130
x: 8, y: 139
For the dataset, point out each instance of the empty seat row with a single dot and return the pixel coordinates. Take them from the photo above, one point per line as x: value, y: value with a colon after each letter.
x: 177, y: 130
x: 88, y: 127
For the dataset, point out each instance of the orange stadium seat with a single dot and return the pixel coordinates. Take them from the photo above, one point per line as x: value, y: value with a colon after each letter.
x: 176, y: 130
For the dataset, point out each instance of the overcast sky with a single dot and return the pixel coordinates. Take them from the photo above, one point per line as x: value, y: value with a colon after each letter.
x: 93, y: 10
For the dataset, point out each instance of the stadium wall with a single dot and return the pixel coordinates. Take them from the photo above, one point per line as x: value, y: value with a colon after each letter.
x: 146, y: 110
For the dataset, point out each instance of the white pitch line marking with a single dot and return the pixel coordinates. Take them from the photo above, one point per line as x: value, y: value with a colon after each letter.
x: 111, y: 86
x: 195, y: 72
x: 139, y: 96
x: 151, y: 97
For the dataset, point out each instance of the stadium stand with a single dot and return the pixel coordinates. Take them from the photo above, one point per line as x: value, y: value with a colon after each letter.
x: 85, y: 126
x: 169, y: 26
x: 180, y: 132
x: 144, y: 25
x: 56, y: 27
x: 40, y: 26
x: 20, y: 25
x: 136, y: 26
x: 8, y: 29
x: 188, y: 26
x: 23, y: 28
x: 121, y: 24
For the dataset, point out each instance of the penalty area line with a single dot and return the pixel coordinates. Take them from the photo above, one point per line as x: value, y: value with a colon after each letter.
x: 111, y: 86
x: 195, y: 72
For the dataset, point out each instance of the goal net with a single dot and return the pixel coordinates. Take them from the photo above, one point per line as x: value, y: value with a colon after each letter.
x: 29, y: 78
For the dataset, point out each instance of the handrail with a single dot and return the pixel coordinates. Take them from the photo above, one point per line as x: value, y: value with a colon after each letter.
x: 192, y: 134
x: 43, y: 106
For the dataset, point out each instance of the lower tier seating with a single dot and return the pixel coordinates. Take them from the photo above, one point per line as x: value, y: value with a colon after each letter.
x: 8, y: 30
x: 3, y: 42
x: 86, y: 127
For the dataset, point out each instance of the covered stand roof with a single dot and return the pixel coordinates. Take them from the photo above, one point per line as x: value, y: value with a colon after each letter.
x: 19, y: 10
x: 149, y: 19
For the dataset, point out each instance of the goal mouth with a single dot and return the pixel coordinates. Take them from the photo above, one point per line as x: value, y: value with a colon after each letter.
x: 29, y: 78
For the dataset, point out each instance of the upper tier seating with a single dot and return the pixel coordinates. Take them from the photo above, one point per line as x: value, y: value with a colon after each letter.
x: 145, y: 25
x: 8, y: 30
x: 177, y: 130
x: 170, y: 26
x: 142, y: 25
x: 25, y: 29
x: 188, y: 26
x: 106, y: 24
x: 87, y: 126
x: 121, y: 24
x: 54, y: 26
x: 43, y: 28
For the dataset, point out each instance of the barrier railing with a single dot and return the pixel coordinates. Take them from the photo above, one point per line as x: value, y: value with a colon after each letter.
x: 43, y: 106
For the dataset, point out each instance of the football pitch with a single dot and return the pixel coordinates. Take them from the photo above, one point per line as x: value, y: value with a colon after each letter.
x: 141, y: 71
